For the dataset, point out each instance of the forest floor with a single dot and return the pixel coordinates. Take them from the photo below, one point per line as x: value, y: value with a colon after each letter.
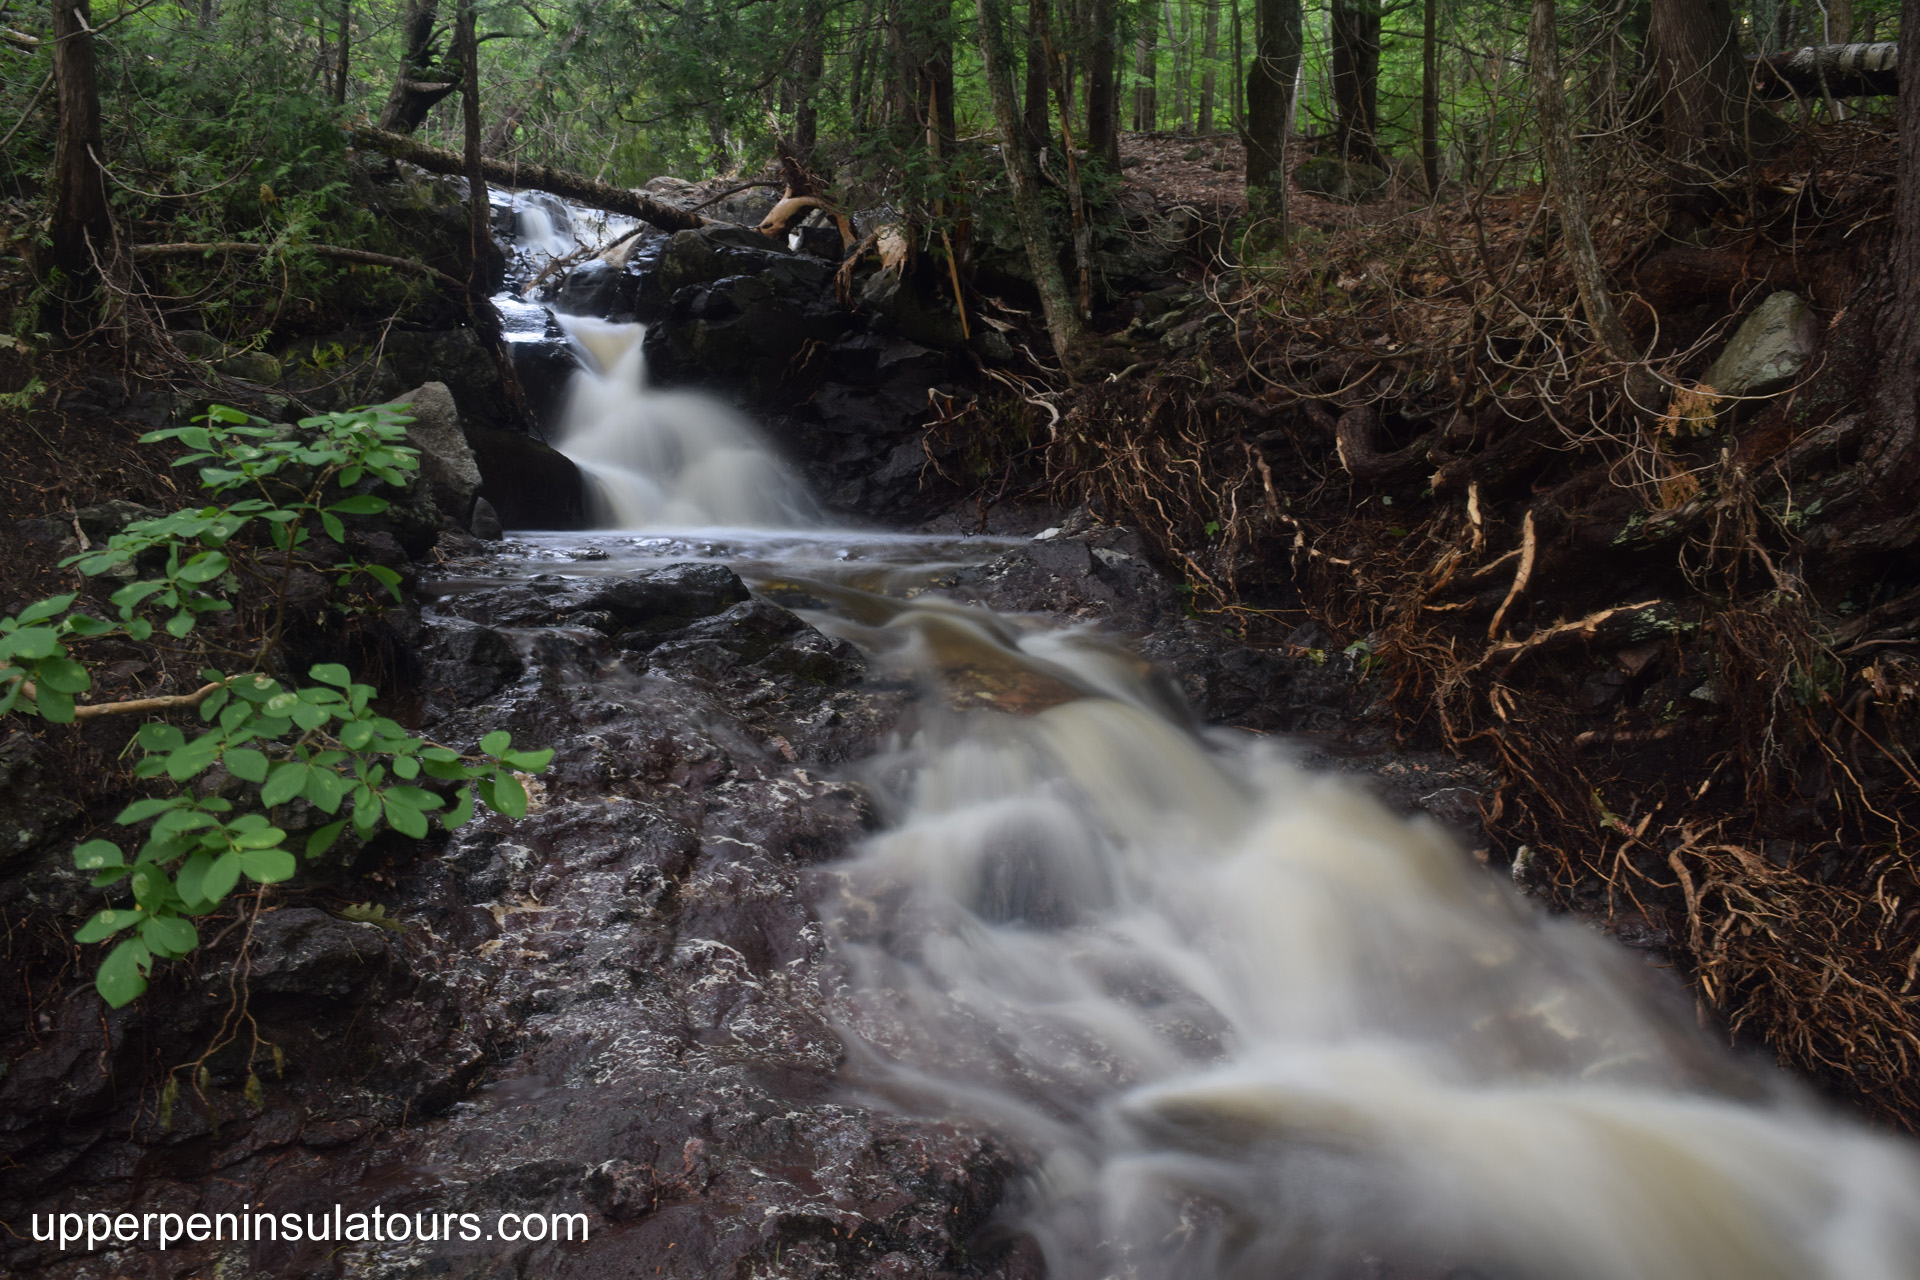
x: 1657, y: 616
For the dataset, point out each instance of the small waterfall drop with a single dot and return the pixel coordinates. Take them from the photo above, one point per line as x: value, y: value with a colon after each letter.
x: 674, y: 459
x: 1248, y: 1025
x: 536, y: 231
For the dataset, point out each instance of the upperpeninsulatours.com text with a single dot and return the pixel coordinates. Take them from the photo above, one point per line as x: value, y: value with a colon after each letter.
x: 255, y: 1226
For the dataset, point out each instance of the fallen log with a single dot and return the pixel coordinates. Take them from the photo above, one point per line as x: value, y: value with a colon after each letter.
x: 573, y: 186
x: 1850, y: 71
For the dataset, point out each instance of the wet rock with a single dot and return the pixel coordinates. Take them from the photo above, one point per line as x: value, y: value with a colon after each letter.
x: 104, y: 520
x: 1769, y: 350
x: 528, y: 483
x: 251, y: 366
x: 304, y: 951
x: 470, y: 663
x: 485, y: 523
x: 1337, y: 178
x: 446, y: 460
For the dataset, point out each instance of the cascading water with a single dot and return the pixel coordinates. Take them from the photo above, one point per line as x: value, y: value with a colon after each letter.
x: 1248, y: 1024
x: 667, y: 459
x: 1242, y: 1022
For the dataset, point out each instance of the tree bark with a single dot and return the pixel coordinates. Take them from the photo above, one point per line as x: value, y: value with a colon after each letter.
x: 1700, y: 86
x: 420, y: 85
x: 1892, y: 457
x: 1103, y: 98
x: 341, y: 61
x: 1270, y: 81
x: 1563, y: 183
x: 1209, y: 53
x: 82, y: 227
x: 560, y: 182
x: 1356, y: 78
x: 1146, y: 99
x: 1023, y: 181
x: 1850, y: 71
x: 479, y: 211
x: 1034, y: 98
x: 812, y: 64
x: 1430, y: 97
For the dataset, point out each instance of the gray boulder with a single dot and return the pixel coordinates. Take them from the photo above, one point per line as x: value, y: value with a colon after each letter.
x: 1770, y: 349
x: 1349, y: 181
x: 446, y: 460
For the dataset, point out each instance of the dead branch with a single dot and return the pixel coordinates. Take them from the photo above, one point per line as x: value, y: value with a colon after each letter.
x: 319, y: 250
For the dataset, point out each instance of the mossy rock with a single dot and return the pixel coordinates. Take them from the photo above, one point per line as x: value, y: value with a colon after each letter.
x: 1348, y: 181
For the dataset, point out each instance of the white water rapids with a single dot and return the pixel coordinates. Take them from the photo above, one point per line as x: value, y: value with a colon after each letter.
x: 1241, y: 1021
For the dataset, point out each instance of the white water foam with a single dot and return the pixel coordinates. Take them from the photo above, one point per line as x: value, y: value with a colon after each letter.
x: 674, y: 459
x: 1248, y: 1024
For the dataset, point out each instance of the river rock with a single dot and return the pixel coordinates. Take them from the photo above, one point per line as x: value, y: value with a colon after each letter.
x: 1337, y: 178
x: 528, y: 483
x: 1769, y: 350
x: 446, y: 460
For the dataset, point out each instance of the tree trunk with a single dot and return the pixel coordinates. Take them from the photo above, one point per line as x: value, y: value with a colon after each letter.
x: 1845, y: 70
x: 1699, y: 81
x: 1238, y: 111
x: 420, y: 85
x: 1270, y: 83
x: 82, y: 227
x: 1893, y: 456
x: 1839, y: 22
x: 1209, y: 53
x: 1034, y: 115
x: 479, y: 211
x: 1563, y: 183
x: 1356, y: 78
x: 811, y: 65
x: 1023, y: 181
x: 340, y: 54
x: 1430, y: 97
x: 1103, y: 98
x: 574, y: 186
x: 1146, y: 102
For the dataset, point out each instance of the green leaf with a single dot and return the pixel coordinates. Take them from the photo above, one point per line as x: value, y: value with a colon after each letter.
x: 509, y: 797
x: 287, y: 781
x: 85, y: 624
x: 98, y: 855
x: 268, y: 866
x: 178, y: 822
x: 387, y: 578
x: 331, y: 523
x: 214, y: 701
x: 55, y: 704
x: 179, y: 624
x: 160, y: 737
x: 193, y: 758
x: 360, y: 504
x: 204, y: 567
x: 496, y: 742
x: 462, y: 810
x: 248, y: 765
x: 260, y: 838
x: 327, y: 789
x: 406, y: 767
x: 356, y: 734
x: 122, y: 975
x: 191, y: 881
x: 331, y: 673
x: 31, y: 642
x: 281, y: 703
x: 308, y: 716
x: 221, y: 877
x: 405, y: 819
x: 141, y: 810
x: 62, y: 674
x: 45, y: 609
x: 170, y: 935
x: 322, y: 840
x: 134, y: 592
x: 530, y: 761
x: 107, y: 923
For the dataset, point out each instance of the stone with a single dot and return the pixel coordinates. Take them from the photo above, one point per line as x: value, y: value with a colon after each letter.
x: 1348, y: 181
x: 1770, y: 349
x: 529, y: 484
x: 485, y: 524
x: 251, y: 366
x: 446, y: 459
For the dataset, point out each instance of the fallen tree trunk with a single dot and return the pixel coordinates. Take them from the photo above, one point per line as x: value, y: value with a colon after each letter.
x: 1850, y: 70
x: 573, y: 186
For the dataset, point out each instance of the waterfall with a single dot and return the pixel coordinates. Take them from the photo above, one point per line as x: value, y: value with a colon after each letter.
x: 1245, y: 1023
x: 535, y: 230
x: 667, y: 459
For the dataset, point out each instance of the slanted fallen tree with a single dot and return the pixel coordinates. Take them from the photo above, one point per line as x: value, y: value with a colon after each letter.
x: 560, y: 182
x: 1843, y: 70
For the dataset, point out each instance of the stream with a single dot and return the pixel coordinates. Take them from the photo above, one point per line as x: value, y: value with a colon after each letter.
x: 1225, y: 1016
